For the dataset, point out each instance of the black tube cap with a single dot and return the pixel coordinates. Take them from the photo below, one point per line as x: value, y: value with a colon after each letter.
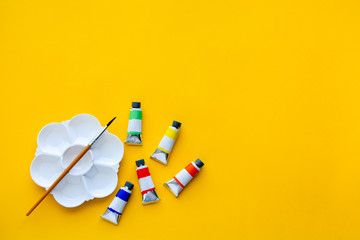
x: 136, y: 104
x: 129, y: 185
x: 140, y: 162
x: 176, y: 124
x: 199, y: 163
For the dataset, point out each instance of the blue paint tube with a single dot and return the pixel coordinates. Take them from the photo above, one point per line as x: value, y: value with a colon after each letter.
x: 114, y: 211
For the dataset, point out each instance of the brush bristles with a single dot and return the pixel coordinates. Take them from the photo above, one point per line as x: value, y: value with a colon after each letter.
x: 110, y: 121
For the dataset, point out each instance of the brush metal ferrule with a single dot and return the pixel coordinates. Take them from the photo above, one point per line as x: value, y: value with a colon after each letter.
x: 97, y: 136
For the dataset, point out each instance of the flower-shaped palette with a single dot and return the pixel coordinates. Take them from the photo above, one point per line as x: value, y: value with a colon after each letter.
x: 94, y: 176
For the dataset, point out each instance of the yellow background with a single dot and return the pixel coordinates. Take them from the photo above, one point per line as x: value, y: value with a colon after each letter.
x: 268, y: 93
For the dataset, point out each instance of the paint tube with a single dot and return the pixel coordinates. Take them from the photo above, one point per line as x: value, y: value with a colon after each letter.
x: 162, y: 152
x: 134, y: 132
x: 179, y: 182
x: 146, y: 184
x: 114, y: 211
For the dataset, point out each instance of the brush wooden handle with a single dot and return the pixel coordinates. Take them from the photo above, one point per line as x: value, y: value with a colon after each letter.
x: 66, y: 171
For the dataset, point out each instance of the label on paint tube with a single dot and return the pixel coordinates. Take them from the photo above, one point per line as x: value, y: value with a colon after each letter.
x: 146, y: 185
x: 165, y: 146
x: 134, y: 132
x: 180, y: 180
x: 114, y: 211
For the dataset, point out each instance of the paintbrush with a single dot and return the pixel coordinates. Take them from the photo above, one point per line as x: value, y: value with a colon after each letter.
x: 72, y: 164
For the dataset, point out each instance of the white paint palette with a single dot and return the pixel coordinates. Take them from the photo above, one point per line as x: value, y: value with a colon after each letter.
x: 94, y: 176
